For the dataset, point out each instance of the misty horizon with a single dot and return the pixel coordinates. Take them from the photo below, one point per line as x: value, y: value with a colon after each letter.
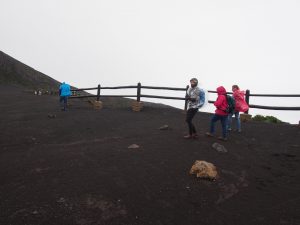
x: 254, y: 44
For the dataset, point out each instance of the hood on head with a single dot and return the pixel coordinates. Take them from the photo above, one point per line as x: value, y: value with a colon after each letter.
x: 194, y: 80
x: 221, y: 90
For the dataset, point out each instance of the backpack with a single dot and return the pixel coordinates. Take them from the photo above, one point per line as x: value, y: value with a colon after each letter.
x: 201, y: 98
x: 230, y: 104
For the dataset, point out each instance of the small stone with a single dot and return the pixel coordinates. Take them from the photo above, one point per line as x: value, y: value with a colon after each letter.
x: 97, y: 104
x: 51, y: 116
x: 61, y: 200
x: 219, y: 147
x: 133, y: 146
x: 35, y: 212
x: 164, y: 127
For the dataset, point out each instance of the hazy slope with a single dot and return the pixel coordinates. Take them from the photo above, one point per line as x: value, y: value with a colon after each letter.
x: 15, y: 72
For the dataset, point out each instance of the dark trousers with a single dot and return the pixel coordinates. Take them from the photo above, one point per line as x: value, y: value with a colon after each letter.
x: 63, y: 99
x: 223, y: 120
x: 189, y: 117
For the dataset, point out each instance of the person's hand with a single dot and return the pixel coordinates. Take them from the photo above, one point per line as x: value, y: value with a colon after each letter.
x: 190, y: 99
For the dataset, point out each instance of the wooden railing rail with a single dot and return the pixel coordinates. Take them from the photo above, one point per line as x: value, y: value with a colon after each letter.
x: 139, y: 95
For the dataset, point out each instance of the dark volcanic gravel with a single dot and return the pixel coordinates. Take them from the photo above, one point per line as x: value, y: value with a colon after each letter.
x: 75, y: 167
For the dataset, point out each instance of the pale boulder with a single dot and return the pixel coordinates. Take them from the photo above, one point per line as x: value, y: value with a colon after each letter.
x: 204, y: 169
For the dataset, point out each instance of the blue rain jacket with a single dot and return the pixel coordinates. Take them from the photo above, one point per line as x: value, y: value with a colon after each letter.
x: 64, y: 90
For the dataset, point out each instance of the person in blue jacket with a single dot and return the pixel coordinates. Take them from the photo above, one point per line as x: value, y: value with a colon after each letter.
x: 64, y: 93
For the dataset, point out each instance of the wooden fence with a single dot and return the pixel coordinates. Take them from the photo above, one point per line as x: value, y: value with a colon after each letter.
x: 139, y: 95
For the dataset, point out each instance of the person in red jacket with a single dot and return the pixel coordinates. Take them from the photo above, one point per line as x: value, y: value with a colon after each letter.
x: 240, y: 106
x: 220, y: 114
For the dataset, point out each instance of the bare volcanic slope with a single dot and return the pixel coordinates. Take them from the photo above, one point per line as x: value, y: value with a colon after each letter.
x: 75, y: 167
x: 15, y: 72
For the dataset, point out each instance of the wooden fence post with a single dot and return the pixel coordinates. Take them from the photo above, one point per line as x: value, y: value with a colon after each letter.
x: 138, y: 96
x: 247, y: 98
x: 98, y: 92
x: 185, y: 101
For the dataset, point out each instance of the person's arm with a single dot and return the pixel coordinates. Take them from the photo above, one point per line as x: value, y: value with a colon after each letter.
x: 218, y: 103
x: 187, y: 96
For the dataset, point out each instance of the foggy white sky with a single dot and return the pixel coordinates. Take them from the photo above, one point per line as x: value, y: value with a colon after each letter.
x: 160, y: 42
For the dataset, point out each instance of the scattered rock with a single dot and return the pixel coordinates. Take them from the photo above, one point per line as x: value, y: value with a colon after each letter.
x: 51, y: 116
x: 164, y: 127
x: 133, y: 146
x: 35, y: 212
x: 40, y: 170
x: 32, y: 140
x: 96, y: 104
x: 137, y: 106
x: 219, y: 147
x: 204, y: 169
x: 61, y: 200
x: 245, y: 117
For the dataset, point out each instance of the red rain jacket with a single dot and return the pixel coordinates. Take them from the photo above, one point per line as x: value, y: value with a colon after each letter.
x: 221, y: 102
x: 240, y: 103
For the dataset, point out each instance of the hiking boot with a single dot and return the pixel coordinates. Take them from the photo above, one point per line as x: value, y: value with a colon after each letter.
x: 208, y: 134
x: 222, y: 138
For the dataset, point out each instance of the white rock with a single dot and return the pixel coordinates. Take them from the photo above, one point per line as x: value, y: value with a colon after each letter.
x: 164, y: 127
x: 219, y: 147
x: 133, y: 146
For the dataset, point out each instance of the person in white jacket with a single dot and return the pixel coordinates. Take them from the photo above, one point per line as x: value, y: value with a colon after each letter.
x: 193, y: 98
